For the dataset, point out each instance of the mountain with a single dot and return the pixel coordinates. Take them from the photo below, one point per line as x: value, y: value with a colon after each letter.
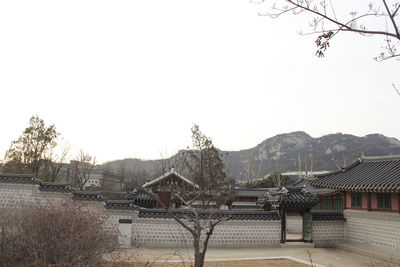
x: 285, y: 152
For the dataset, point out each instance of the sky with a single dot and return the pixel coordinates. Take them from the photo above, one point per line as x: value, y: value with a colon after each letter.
x: 128, y: 79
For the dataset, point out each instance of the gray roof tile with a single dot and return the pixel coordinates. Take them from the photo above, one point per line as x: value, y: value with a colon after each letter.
x: 18, y: 178
x: 214, y: 214
x: 365, y: 174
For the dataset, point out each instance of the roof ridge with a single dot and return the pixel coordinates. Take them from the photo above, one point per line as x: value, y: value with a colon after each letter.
x: 345, y: 168
x: 17, y: 175
x: 379, y: 158
x: 165, y: 175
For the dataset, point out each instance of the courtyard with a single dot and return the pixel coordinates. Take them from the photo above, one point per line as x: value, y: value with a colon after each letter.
x: 296, y: 256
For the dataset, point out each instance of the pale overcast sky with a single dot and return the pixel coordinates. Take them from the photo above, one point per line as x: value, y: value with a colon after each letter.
x: 129, y: 78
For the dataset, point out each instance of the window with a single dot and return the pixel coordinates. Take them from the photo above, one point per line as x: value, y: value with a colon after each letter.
x: 338, y: 204
x: 384, y: 201
x: 326, y: 204
x: 356, y: 201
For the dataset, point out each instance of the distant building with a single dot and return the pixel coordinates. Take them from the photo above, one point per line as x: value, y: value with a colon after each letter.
x: 105, y: 179
x: 171, y: 181
x: 99, y: 178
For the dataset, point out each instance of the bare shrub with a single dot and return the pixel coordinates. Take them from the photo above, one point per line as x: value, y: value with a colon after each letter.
x: 62, y: 235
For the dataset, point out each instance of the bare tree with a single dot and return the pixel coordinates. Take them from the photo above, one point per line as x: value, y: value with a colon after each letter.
x: 81, y: 169
x: 298, y: 166
x: 340, y: 162
x: 56, y: 162
x: 277, y: 177
x: 228, y: 165
x: 378, y: 18
x: 199, y: 223
x: 180, y: 162
x: 206, y: 169
x: 251, y: 171
x: 134, y: 178
x: 395, y: 88
x: 304, y: 164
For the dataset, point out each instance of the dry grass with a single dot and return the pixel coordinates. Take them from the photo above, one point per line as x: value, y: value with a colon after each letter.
x: 60, y: 235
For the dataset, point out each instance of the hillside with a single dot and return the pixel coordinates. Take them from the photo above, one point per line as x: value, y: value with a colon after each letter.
x: 283, y: 153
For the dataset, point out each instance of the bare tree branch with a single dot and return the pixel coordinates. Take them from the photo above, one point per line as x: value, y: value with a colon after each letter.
x: 326, y: 17
x: 395, y: 88
x: 392, y: 19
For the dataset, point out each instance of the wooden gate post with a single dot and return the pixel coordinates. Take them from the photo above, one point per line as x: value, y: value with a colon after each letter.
x: 283, y: 225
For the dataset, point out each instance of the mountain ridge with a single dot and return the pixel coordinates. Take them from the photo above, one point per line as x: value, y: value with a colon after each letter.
x: 284, y: 152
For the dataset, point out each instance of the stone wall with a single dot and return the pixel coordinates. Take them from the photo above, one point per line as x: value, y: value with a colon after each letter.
x: 328, y: 233
x: 247, y: 228
x: 380, y: 229
x: 14, y: 195
x: 151, y: 232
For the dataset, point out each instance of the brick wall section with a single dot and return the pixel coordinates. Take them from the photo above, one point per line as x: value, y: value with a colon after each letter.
x: 14, y: 195
x: 151, y: 232
x: 327, y: 233
x: 380, y: 229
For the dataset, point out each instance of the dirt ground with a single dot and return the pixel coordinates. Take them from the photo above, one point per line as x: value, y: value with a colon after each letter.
x: 251, y: 257
x: 244, y: 263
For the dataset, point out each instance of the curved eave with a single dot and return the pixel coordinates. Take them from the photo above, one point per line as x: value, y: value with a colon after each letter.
x: 393, y: 188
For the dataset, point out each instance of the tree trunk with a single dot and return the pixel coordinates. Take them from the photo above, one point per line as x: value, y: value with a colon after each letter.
x: 198, y: 257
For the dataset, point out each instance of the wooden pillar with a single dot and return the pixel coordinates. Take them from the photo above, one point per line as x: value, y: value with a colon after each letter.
x: 344, y: 200
x: 398, y: 201
x: 282, y: 213
x: 369, y: 201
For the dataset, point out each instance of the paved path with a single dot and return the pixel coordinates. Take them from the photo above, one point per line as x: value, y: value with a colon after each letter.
x: 322, y: 257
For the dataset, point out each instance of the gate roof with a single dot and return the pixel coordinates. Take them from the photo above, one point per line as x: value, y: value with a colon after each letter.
x: 289, y: 197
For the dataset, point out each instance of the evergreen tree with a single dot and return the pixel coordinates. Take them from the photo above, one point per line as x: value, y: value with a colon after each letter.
x: 26, y: 154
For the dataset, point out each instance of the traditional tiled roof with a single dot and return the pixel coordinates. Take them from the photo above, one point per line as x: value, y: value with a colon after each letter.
x: 18, y: 178
x: 121, y: 205
x: 327, y: 215
x: 114, y: 195
x: 166, y: 175
x: 55, y: 187
x: 377, y: 174
x: 306, y: 183
x: 245, y: 205
x: 87, y: 195
x: 214, y: 214
x: 289, y: 197
x: 250, y: 192
x: 140, y: 196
